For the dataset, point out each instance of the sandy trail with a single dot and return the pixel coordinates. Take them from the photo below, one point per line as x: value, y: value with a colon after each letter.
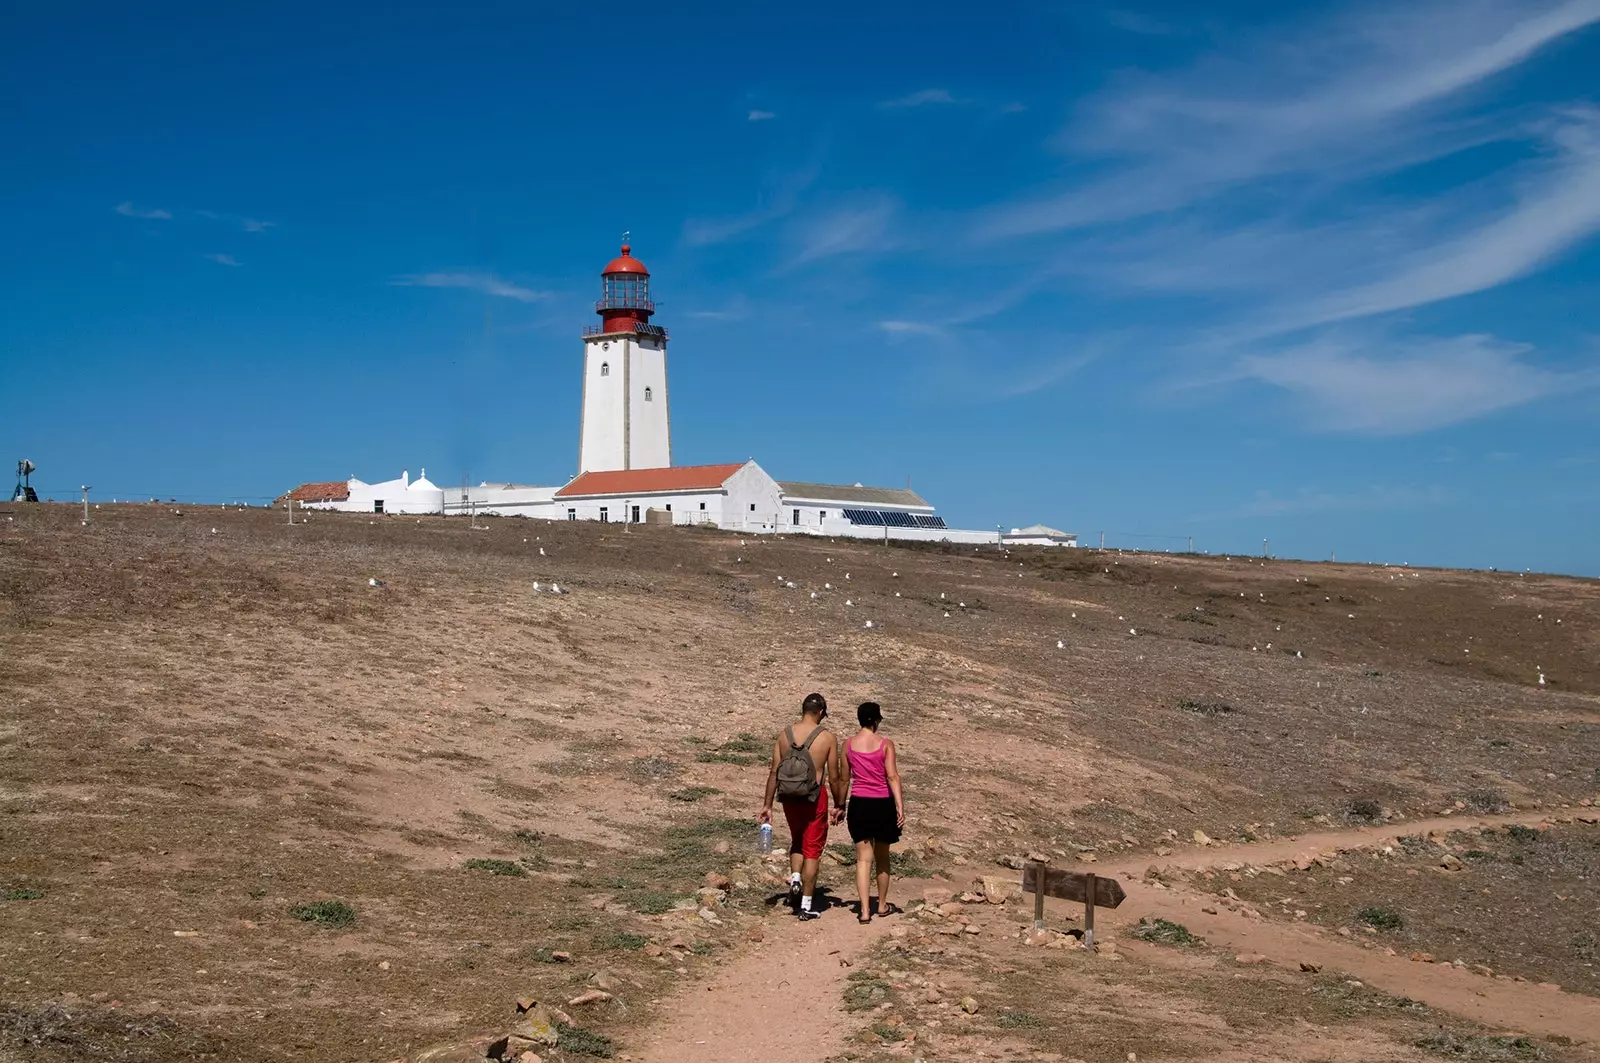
x: 749, y: 1010
x: 1496, y: 1003
x: 781, y: 999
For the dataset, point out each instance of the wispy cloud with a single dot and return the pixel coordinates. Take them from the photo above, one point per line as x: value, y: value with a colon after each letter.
x: 1556, y: 208
x: 918, y: 99
x: 776, y: 204
x: 736, y: 309
x: 1313, y: 500
x: 1141, y: 24
x: 128, y: 210
x: 221, y: 259
x: 249, y: 225
x: 909, y: 328
x: 487, y: 283
x: 1356, y: 95
x: 762, y: 116
x: 1394, y: 387
x: 861, y: 227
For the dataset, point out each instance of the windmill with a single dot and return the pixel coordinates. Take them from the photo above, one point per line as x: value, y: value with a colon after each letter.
x: 24, y: 491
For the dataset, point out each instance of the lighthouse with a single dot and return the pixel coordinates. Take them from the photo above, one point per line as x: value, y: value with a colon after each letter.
x: 625, y: 423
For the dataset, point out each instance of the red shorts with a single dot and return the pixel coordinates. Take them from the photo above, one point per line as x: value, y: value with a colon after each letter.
x: 808, y: 825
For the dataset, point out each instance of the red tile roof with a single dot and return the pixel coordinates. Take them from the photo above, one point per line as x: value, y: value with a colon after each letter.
x: 335, y: 491
x: 648, y: 481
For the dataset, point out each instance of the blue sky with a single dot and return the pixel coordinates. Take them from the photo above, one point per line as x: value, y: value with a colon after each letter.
x: 1322, y: 274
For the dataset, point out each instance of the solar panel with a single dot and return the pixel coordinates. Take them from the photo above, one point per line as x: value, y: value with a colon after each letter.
x: 896, y: 519
x: 929, y: 522
x: 864, y: 516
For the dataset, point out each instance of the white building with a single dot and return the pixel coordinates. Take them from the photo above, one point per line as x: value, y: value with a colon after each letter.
x: 625, y: 470
x: 1038, y: 535
x: 624, y: 423
x: 401, y: 495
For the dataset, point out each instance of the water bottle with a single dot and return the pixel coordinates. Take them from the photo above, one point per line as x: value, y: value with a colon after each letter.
x: 765, y: 843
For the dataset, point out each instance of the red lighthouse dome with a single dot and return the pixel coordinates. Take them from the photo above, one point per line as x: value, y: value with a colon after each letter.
x: 625, y: 303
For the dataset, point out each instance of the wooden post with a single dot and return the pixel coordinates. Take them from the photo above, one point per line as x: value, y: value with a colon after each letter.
x: 1038, y: 894
x: 1088, y: 911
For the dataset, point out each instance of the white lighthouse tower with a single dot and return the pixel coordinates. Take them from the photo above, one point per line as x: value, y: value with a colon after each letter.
x: 625, y: 423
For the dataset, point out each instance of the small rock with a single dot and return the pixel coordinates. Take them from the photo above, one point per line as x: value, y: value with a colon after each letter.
x: 717, y: 880
x: 1015, y: 863
x: 1201, y: 838
x: 590, y: 996
x: 722, y: 846
x: 1422, y: 957
x: 561, y: 957
x: 1250, y: 958
x: 711, y: 897
x: 1310, y: 968
x: 1451, y: 862
x: 931, y: 995
x: 998, y: 890
x: 969, y: 1005
x: 530, y: 1057
x: 709, y: 916
x: 935, y: 896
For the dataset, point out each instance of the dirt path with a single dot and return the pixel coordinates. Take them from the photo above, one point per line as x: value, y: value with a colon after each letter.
x: 747, y: 1011
x: 781, y: 999
x: 1499, y: 1004
x: 1278, y: 850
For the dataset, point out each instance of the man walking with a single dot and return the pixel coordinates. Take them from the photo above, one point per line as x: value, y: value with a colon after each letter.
x: 804, y: 766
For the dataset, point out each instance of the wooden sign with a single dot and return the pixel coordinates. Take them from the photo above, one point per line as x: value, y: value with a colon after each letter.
x: 1042, y: 880
x: 1073, y: 885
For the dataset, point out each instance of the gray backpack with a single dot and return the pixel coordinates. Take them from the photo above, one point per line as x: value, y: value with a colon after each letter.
x: 797, y: 772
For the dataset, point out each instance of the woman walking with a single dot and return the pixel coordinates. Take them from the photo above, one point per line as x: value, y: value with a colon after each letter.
x: 875, y: 810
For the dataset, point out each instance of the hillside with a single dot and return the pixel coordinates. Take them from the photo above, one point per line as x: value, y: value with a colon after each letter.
x: 209, y: 719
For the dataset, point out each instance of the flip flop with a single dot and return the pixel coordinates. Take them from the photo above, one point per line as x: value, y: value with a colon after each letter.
x: 863, y: 919
x: 890, y: 909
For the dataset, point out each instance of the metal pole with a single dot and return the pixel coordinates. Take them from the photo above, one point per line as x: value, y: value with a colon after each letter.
x: 1102, y: 540
x: 86, y: 503
x: 1038, y: 894
x: 291, y: 512
x: 1264, y: 548
x: 1088, y: 911
x: 1191, y: 544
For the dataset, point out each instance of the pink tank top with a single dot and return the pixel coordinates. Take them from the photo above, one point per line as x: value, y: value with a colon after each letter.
x: 867, y: 775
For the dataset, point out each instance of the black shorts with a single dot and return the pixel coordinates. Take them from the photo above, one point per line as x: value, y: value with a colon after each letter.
x: 873, y: 819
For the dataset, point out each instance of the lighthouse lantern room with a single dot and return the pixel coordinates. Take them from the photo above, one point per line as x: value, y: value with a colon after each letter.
x: 625, y: 423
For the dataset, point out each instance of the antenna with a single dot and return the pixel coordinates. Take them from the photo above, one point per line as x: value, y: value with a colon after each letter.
x: 24, y: 491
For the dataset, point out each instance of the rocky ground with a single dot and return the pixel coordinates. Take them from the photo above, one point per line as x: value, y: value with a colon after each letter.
x: 354, y: 789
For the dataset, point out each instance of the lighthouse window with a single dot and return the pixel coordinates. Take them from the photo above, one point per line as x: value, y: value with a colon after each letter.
x: 647, y: 394
x: 605, y: 368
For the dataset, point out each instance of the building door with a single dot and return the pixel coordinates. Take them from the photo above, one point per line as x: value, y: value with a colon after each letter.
x: 797, y: 518
x: 604, y: 517
x: 636, y: 514
x: 377, y: 505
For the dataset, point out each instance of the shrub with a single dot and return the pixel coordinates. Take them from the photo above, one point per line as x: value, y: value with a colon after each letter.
x: 1206, y: 708
x: 652, y: 902
x: 583, y: 1042
x: 864, y: 991
x: 1018, y: 1020
x: 1480, y: 1046
x: 622, y: 940
x: 1522, y: 834
x: 22, y: 894
x: 1381, y: 918
x: 693, y: 793
x: 335, y: 914
x: 1486, y: 801
x: 1587, y: 946
x: 1164, y: 932
x: 1363, y: 810
x: 497, y: 867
